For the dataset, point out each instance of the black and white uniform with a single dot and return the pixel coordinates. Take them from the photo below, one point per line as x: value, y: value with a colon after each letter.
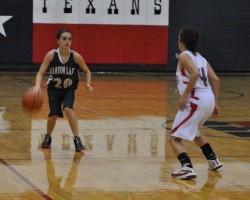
x: 62, y: 83
x: 63, y: 75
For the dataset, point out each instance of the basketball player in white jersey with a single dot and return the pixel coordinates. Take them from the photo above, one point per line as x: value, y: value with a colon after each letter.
x: 198, y: 100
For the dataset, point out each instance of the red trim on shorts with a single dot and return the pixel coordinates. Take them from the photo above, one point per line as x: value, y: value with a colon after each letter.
x: 193, y: 109
x: 193, y: 93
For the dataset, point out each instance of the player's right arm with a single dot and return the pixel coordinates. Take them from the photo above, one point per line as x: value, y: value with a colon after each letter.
x: 186, y: 62
x: 43, y: 68
x: 215, y: 84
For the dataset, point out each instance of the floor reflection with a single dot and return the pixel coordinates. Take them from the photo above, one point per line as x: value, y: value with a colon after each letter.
x: 187, y: 189
x: 55, y: 188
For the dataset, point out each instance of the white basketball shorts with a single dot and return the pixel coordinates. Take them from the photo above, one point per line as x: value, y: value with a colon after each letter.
x: 188, y: 122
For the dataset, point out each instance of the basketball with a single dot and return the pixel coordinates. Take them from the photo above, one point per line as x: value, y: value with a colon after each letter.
x: 32, y: 102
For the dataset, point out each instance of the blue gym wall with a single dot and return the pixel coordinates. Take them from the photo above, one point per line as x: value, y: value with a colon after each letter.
x: 224, y: 26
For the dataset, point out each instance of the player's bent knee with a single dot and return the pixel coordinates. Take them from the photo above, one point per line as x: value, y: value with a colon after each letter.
x: 174, y: 139
x: 54, y: 117
x: 68, y: 110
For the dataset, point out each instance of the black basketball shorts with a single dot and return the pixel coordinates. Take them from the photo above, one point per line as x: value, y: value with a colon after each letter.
x: 60, y: 99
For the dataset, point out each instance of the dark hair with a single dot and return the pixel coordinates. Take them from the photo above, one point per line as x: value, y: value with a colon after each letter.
x: 190, y: 37
x: 61, y: 31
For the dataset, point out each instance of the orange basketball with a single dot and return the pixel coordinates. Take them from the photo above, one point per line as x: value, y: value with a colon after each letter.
x: 32, y: 102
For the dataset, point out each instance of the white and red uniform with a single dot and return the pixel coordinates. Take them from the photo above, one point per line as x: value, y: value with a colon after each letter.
x: 200, y: 103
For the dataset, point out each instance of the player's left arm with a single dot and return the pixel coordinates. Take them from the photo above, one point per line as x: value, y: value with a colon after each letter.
x: 80, y: 61
x: 215, y: 84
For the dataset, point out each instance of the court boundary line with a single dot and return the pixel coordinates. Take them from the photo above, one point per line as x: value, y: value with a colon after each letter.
x: 24, y: 179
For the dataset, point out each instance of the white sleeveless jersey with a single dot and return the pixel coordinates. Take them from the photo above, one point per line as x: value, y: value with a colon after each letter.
x: 183, y: 76
x: 200, y: 103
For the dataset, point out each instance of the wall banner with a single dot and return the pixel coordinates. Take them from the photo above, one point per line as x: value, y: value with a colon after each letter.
x: 104, y: 31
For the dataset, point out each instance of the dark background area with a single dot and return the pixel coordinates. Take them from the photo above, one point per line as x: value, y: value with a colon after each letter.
x: 224, y: 26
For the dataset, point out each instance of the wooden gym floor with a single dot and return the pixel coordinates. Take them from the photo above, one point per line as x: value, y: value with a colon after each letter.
x: 125, y: 125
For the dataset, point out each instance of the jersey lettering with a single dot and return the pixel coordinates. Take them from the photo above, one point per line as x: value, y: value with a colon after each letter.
x: 62, y: 70
x: 203, y: 76
x: 66, y: 83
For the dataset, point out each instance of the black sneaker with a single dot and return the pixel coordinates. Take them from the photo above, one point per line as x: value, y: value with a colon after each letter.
x: 78, y: 144
x: 46, y: 142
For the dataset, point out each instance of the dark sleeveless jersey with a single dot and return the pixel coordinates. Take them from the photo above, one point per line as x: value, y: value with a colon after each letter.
x: 63, y: 75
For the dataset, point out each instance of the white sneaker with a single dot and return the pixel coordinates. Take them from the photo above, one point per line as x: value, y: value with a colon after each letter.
x: 214, y: 164
x: 184, y: 173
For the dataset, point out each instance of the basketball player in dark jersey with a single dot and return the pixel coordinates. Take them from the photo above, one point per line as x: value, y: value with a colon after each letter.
x: 63, y: 64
